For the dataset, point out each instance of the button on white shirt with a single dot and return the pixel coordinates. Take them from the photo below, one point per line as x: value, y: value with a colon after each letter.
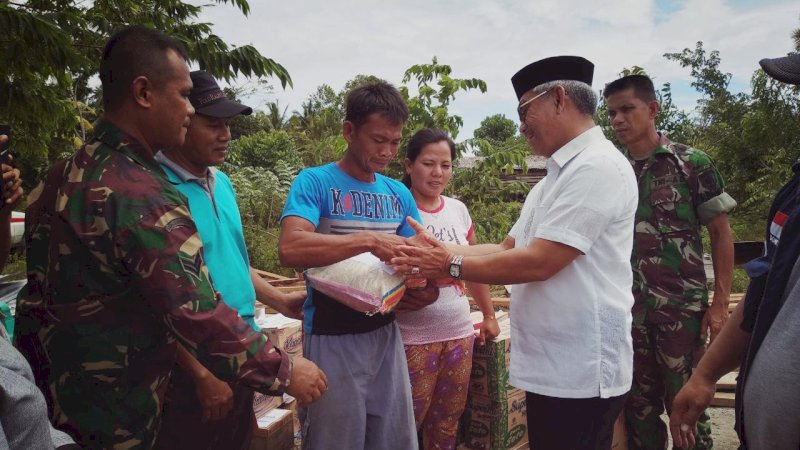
x: 571, y: 334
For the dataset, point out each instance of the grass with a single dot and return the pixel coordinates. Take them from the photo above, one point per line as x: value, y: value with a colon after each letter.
x: 15, y: 266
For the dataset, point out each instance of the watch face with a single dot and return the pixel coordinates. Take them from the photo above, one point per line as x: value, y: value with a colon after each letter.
x: 455, y: 270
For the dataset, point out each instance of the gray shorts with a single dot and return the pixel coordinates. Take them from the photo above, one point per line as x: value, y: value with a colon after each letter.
x: 368, y: 403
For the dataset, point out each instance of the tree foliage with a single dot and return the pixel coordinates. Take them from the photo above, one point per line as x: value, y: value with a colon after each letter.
x: 435, y: 90
x: 754, y: 138
x: 265, y: 150
x: 51, y: 50
x: 260, y: 195
x: 497, y: 129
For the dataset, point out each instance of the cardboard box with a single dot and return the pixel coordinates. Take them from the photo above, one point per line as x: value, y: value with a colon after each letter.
x: 290, y: 404
x: 283, y: 332
x: 286, y: 334
x: 497, y: 423
x: 619, y: 442
x: 490, y: 364
x: 263, y: 404
x: 274, y: 431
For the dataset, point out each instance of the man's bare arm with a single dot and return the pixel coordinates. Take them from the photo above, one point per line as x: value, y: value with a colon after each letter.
x: 301, y: 247
x: 721, y: 236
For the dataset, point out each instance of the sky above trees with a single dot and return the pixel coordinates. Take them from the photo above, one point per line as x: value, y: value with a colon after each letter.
x: 322, y: 41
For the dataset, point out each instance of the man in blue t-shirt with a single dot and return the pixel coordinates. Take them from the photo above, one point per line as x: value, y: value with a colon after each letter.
x: 200, y: 410
x: 334, y: 212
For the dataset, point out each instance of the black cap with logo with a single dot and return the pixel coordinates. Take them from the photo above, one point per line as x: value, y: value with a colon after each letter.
x: 209, y: 100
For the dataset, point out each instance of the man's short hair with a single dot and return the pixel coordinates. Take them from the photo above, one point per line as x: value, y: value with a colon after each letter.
x: 642, y: 87
x: 132, y: 52
x: 581, y: 94
x: 370, y: 98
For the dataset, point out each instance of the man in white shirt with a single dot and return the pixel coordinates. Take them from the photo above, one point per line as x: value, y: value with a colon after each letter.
x: 569, y: 254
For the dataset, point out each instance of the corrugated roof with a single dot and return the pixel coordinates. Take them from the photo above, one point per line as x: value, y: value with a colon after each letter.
x: 532, y: 161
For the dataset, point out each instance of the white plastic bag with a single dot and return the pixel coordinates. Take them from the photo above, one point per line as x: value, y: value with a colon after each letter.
x: 362, y: 282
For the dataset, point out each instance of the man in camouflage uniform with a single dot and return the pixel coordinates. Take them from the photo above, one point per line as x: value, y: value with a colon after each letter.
x: 116, y: 272
x: 680, y: 189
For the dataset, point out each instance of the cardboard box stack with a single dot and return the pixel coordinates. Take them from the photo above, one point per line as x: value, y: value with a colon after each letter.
x: 283, y: 332
x: 286, y: 334
x: 290, y: 403
x: 495, y: 415
x: 274, y: 431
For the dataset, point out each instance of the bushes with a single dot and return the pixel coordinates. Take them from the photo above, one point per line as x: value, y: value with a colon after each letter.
x: 262, y: 167
x: 265, y: 150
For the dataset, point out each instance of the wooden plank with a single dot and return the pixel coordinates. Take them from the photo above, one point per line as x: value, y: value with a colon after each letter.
x: 286, y: 282
x: 734, y: 297
x: 724, y: 399
x: 497, y: 302
x: 274, y: 276
x: 728, y: 382
x: 292, y: 288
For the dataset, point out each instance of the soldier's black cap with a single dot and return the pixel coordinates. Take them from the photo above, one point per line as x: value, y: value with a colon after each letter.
x: 785, y: 69
x: 552, y: 69
x: 209, y: 100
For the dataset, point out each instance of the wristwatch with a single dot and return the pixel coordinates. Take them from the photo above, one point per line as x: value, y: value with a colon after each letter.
x: 455, y: 267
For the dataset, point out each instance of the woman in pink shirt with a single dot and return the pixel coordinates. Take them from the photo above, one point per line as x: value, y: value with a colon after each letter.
x: 438, y: 338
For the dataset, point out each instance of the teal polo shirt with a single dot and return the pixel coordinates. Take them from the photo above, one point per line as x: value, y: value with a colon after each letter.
x: 212, y: 202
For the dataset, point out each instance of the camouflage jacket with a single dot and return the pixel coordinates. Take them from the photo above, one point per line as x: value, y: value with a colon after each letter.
x: 679, y: 190
x: 115, y: 275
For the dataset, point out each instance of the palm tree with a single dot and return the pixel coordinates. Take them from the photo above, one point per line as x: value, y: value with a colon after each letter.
x: 277, y: 119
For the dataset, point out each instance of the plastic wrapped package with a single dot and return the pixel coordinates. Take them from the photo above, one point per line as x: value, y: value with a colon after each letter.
x: 362, y: 282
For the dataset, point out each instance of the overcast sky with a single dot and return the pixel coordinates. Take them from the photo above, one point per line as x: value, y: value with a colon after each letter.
x: 331, y: 41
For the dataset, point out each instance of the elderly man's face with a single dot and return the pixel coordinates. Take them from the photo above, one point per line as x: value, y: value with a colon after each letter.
x: 536, y: 112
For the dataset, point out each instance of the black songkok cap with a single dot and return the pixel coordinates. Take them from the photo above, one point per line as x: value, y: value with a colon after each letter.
x: 552, y: 69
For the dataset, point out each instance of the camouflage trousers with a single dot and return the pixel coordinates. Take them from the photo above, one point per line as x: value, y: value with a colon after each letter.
x: 663, y: 357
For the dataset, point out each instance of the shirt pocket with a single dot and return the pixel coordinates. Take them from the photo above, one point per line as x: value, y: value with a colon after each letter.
x: 535, y: 219
x: 672, y: 210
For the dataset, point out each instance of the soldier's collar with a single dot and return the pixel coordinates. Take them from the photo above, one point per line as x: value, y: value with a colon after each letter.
x: 664, y: 144
x: 114, y: 137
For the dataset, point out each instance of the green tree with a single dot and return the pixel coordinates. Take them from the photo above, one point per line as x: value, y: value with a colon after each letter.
x: 51, y: 49
x: 497, y: 129
x: 265, y: 150
x: 278, y: 120
x: 260, y: 195
x: 249, y: 125
x: 435, y: 90
x: 754, y: 138
x: 493, y: 204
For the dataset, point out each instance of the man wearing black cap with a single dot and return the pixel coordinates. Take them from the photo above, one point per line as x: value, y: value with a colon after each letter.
x: 761, y: 335
x: 200, y: 410
x: 569, y: 256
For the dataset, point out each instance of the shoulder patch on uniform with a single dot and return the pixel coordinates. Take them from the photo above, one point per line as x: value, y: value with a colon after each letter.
x: 178, y: 222
x: 192, y: 265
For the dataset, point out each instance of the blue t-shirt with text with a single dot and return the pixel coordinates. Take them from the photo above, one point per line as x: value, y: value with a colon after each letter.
x: 336, y: 203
